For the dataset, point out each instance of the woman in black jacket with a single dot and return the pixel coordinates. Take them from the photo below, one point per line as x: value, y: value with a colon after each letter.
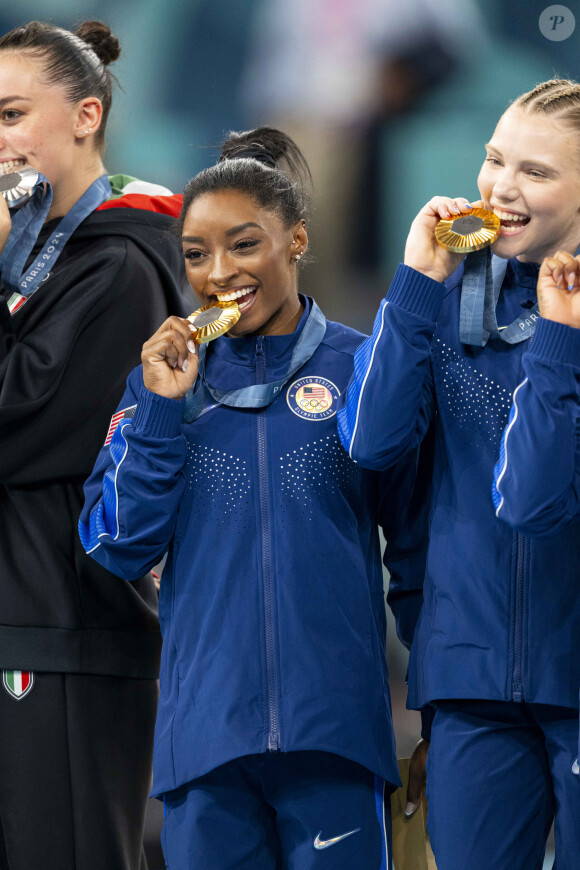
x: 83, y: 285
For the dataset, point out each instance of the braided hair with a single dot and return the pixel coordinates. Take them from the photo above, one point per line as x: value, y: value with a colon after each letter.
x: 559, y: 97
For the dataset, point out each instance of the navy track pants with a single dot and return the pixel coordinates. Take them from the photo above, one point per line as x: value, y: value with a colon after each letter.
x: 280, y: 811
x: 498, y: 774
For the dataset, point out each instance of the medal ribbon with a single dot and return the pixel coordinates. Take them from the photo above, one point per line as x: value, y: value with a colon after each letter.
x: 480, y: 289
x: 257, y: 395
x: 26, y: 226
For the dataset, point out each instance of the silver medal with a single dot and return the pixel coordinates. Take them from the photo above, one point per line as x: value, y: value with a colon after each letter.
x: 16, y: 187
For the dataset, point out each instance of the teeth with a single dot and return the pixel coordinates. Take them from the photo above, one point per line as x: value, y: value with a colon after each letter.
x: 10, y: 165
x: 237, y: 294
x: 509, y: 216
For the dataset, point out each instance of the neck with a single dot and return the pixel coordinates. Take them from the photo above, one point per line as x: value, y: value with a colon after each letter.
x: 65, y: 195
x: 287, y: 323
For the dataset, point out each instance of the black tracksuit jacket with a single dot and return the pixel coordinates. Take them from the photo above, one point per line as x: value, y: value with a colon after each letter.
x: 64, y: 358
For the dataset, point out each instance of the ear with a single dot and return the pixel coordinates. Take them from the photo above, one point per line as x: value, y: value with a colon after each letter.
x: 299, y: 241
x: 88, y: 117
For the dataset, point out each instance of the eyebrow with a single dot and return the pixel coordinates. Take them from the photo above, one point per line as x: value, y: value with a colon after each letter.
x: 529, y: 161
x: 230, y: 232
x: 11, y: 99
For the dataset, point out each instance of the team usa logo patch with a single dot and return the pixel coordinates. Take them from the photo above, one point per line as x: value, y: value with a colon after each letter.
x: 124, y: 414
x: 313, y: 398
x: 18, y: 683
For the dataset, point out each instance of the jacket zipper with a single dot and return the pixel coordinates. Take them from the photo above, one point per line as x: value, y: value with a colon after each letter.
x: 273, y: 721
x: 517, y: 679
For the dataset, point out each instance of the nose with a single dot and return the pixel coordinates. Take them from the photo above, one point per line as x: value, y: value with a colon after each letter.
x: 505, y: 186
x: 223, y: 269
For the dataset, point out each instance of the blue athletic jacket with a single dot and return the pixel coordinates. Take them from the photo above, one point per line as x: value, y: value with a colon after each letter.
x: 271, y: 601
x: 501, y: 612
x: 543, y: 434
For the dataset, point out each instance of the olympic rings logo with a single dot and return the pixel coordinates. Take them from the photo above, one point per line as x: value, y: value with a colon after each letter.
x: 314, y: 404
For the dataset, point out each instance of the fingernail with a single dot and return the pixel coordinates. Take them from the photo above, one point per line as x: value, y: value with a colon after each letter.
x: 571, y: 286
x: 410, y: 809
x: 457, y: 210
x: 467, y: 205
x: 172, y: 363
x: 184, y: 366
x: 191, y: 345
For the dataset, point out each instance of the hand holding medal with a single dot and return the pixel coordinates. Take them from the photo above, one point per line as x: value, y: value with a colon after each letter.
x: 170, y: 361
x: 423, y: 250
x: 5, y: 223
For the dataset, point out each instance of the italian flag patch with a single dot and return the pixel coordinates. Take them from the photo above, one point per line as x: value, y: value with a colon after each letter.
x: 15, y: 302
x: 18, y: 683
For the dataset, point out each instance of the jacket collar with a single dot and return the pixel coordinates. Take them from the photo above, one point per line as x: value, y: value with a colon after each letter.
x: 241, y: 350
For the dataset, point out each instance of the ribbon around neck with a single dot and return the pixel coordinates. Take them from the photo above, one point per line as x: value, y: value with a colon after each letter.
x: 203, y: 395
x: 26, y: 226
x: 482, y: 279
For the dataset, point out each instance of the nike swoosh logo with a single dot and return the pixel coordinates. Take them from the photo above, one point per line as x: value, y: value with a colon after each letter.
x: 326, y: 844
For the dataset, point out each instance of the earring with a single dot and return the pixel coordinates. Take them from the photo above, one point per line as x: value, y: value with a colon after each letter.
x: 297, y: 257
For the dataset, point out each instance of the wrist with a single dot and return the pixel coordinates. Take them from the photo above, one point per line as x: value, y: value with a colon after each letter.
x: 434, y: 274
x: 157, y: 416
x: 164, y: 392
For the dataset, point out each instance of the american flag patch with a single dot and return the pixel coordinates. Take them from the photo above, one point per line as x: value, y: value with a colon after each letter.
x: 315, y: 392
x: 124, y: 414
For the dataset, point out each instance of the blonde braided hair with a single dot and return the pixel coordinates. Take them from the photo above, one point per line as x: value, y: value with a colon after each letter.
x: 559, y: 97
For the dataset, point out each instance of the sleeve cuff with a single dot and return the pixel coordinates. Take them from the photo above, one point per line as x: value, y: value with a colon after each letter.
x: 557, y: 342
x: 416, y: 293
x: 156, y: 416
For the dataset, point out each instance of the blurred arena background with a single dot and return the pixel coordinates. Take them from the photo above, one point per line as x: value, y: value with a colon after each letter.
x: 390, y: 106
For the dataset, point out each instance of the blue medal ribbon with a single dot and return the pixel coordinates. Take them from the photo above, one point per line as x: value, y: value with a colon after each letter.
x: 482, y: 279
x: 258, y: 395
x: 26, y: 226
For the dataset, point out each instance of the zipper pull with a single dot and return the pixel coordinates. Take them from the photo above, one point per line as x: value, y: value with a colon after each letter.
x: 260, y: 360
x: 259, y: 347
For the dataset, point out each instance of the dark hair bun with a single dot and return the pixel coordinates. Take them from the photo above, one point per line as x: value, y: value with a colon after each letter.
x: 101, y: 40
x: 271, y: 147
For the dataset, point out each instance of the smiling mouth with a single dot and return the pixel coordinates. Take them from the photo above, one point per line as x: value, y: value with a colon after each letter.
x: 511, y: 222
x: 8, y: 166
x: 244, y: 296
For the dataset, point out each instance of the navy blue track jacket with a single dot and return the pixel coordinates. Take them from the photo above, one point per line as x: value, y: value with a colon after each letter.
x: 537, y: 478
x: 501, y: 612
x: 271, y: 602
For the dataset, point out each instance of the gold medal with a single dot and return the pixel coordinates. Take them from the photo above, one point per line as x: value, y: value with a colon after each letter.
x: 211, y: 321
x: 468, y: 232
x: 16, y: 187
